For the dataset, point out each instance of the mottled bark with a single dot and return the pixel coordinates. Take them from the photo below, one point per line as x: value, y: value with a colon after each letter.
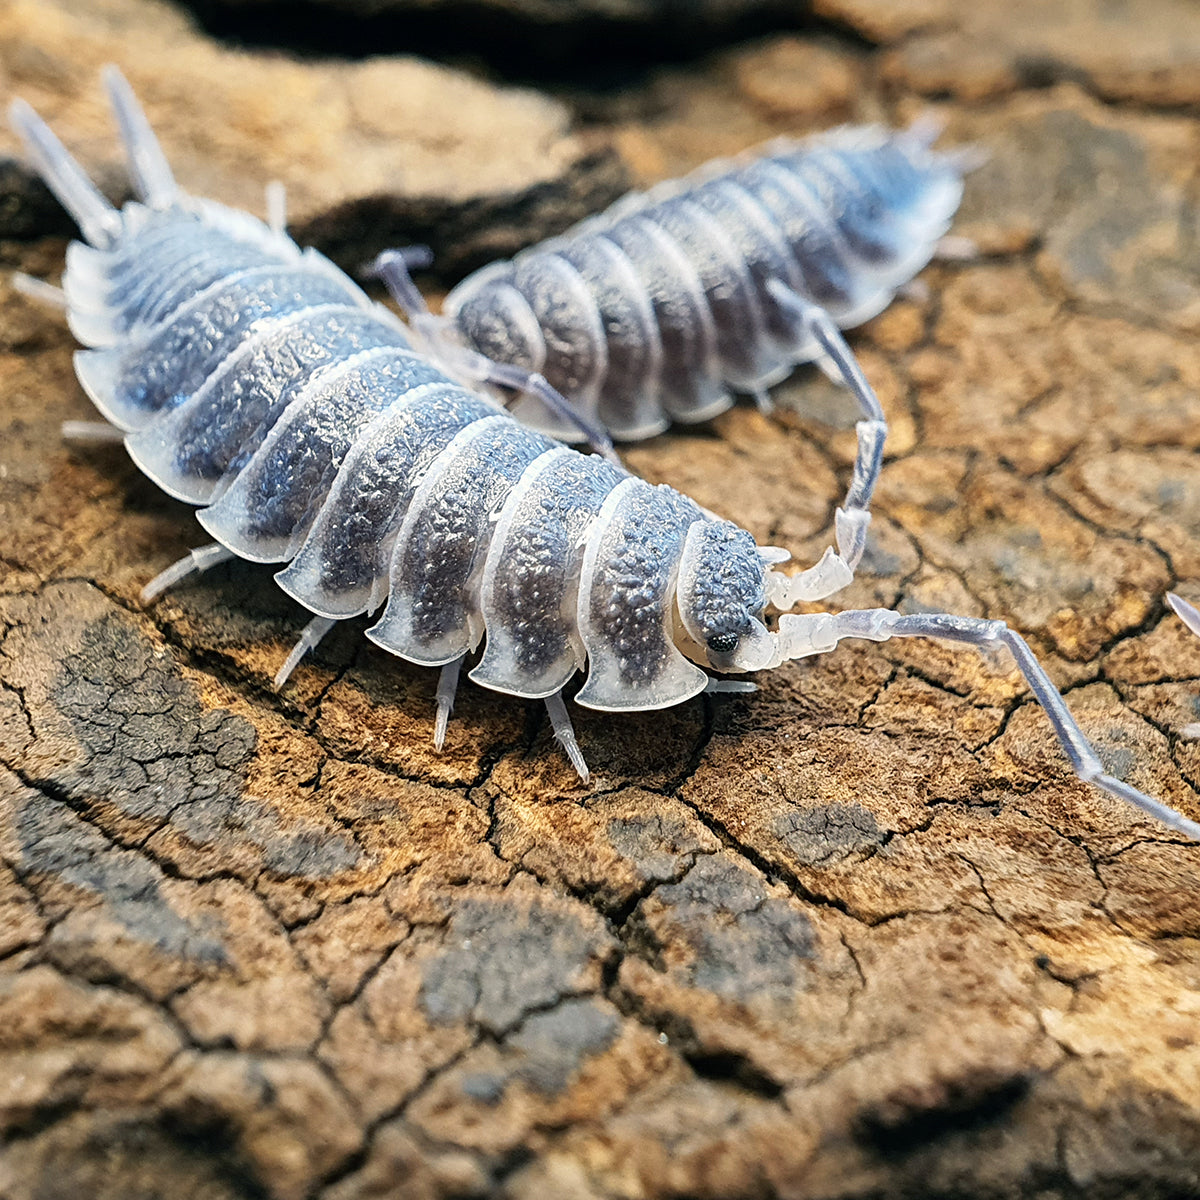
x: 861, y: 934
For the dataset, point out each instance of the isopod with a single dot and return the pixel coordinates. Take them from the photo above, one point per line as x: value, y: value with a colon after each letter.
x: 255, y: 379
x: 656, y: 309
x: 652, y: 311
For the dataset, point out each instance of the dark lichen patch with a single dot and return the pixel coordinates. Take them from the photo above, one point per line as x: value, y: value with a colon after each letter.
x: 827, y: 834
x: 292, y: 848
x: 553, y: 1044
x: 152, y: 750
x: 743, y: 942
x: 486, y: 1087
x: 546, y: 1051
x: 757, y: 954
x: 656, y: 844
x: 148, y: 745
x: 608, y: 846
x: 715, y: 884
x: 508, y: 956
x: 1114, y: 230
x: 54, y: 842
x: 1100, y: 198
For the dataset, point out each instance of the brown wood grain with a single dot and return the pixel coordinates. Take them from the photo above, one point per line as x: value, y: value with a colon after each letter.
x: 861, y: 934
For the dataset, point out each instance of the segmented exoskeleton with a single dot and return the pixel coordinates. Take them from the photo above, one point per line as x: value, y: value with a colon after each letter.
x: 254, y: 378
x: 654, y: 310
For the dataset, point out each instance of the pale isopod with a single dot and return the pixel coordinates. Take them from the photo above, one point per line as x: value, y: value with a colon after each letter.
x: 255, y: 379
x: 653, y: 310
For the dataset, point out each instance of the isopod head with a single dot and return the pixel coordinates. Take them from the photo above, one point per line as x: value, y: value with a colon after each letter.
x: 721, y: 594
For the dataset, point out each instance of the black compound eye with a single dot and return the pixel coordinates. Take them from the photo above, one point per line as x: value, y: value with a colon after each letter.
x: 723, y: 643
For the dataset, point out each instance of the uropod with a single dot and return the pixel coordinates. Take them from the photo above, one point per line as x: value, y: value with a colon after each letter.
x: 256, y: 380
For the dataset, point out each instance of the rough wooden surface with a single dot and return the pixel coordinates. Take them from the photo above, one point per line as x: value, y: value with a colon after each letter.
x: 859, y: 935
x: 373, y: 153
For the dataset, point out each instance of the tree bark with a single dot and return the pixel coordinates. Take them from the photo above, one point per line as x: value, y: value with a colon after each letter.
x: 860, y: 934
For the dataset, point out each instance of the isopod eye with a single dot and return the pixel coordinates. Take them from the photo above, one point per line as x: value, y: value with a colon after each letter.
x: 723, y: 643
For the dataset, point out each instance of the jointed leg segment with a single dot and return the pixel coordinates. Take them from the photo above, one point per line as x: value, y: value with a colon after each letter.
x: 803, y: 635
x: 836, y: 570
x: 310, y: 637
x: 564, y: 734
x: 446, y: 689
x: 91, y: 431
x: 39, y: 290
x: 195, y: 562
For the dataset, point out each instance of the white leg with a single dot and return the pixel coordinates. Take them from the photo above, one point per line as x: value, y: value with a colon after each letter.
x: 1190, y: 616
x: 836, y: 570
x: 924, y: 131
x: 1187, y: 613
x: 394, y: 267
x: 195, y: 562
x: 736, y: 687
x: 803, y: 635
x: 564, y: 734
x: 310, y: 637
x: 276, y: 198
x: 830, y: 369
x: 446, y: 690
x: 916, y: 290
x: 91, y: 431
x: 39, y: 290
x: 531, y: 383
x: 956, y: 248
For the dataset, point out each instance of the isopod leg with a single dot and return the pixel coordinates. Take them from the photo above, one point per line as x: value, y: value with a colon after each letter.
x: 446, y: 689
x: 916, y: 290
x: 91, y: 431
x: 1187, y: 613
x: 731, y: 687
x: 835, y: 571
x: 310, y: 637
x: 564, y: 734
x: 532, y: 384
x: 802, y: 635
x: 1190, y: 616
x: 393, y: 267
x: 195, y: 562
x: 39, y: 290
x: 956, y: 248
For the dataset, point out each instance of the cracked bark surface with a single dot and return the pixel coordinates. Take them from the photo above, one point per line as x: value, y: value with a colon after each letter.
x: 861, y: 934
